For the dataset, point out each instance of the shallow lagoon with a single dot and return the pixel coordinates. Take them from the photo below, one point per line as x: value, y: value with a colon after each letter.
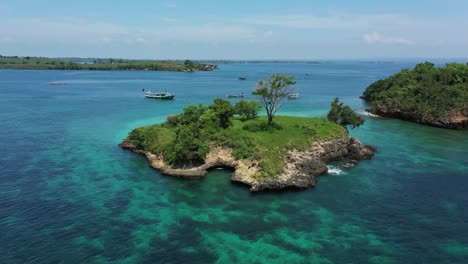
x: 69, y: 194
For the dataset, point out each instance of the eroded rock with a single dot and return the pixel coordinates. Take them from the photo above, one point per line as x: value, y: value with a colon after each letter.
x: 300, y: 167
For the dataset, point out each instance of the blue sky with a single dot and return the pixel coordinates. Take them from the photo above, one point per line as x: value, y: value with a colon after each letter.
x: 255, y: 29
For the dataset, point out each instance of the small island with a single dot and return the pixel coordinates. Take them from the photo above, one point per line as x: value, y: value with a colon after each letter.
x: 266, y: 152
x: 41, y: 63
x: 428, y: 95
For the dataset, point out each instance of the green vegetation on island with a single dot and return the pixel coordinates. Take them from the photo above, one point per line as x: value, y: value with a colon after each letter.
x: 266, y: 152
x: 273, y: 92
x: 41, y: 63
x: 185, y: 139
x: 343, y: 115
x: 430, y: 95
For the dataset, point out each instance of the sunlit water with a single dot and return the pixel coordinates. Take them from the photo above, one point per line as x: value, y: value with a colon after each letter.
x: 70, y: 195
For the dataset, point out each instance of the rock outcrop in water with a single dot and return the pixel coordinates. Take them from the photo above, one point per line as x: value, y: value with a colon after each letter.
x: 300, y: 171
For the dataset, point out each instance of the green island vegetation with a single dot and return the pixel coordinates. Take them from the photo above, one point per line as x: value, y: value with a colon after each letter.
x: 343, y: 115
x: 185, y: 139
x: 272, y: 93
x: 41, y: 63
x: 425, y: 92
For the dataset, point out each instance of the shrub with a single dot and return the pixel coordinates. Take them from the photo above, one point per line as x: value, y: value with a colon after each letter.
x: 191, y: 114
x: 172, y: 120
x: 187, y: 148
x: 223, y: 110
x: 344, y: 115
x: 247, y: 109
x: 137, y: 138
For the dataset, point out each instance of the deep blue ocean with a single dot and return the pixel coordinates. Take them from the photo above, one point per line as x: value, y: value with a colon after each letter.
x: 69, y: 194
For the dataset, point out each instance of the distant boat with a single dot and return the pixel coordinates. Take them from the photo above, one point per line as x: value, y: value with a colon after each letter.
x: 293, y: 96
x: 57, y: 83
x: 159, y: 95
x: 242, y: 78
x: 308, y: 73
x: 241, y: 95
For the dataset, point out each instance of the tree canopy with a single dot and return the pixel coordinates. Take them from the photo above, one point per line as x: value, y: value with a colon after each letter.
x: 223, y: 110
x: 247, y: 109
x: 273, y: 92
x: 344, y: 115
x: 189, y: 64
x: 193, y: 128
x: 425, y: 90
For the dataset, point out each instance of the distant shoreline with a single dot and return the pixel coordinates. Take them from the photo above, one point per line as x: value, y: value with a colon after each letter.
x: 39, y: 63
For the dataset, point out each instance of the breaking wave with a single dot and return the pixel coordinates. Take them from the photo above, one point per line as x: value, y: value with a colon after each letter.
x: 335, y: 170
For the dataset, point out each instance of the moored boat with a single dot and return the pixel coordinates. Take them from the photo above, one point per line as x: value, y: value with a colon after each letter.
x: 293, y: 96
x: 242, y: 78
x: 159, y: 95
x: 241, y: 95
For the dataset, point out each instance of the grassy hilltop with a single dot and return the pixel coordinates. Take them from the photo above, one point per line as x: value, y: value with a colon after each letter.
x: 185, y: 139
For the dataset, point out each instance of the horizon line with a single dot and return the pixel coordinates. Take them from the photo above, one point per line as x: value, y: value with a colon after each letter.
x: 245, y: 60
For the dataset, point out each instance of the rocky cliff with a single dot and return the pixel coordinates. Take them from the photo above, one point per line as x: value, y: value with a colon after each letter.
x: 455, y: 119
x: 300, y: 170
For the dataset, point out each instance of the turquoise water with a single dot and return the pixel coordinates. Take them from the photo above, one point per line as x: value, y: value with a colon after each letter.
x: 70, y: 195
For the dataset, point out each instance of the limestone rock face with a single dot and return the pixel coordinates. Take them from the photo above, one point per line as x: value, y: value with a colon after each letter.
x: 217, y: 157
x: 300, y: 170
x: 456, y: 119
x: 302, y: 167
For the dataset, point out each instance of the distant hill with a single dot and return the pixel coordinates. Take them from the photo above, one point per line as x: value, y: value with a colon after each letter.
x: 41, y: 63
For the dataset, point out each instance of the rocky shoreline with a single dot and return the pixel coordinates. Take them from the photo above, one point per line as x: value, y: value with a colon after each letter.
x: 455, y: 120
x: 203, y: 67
x: 301, y: 167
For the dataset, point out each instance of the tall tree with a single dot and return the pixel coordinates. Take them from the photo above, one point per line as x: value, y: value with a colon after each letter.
x: 273, y: 92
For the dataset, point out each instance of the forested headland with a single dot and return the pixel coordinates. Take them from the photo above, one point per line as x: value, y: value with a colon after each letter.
x: 430, y: 95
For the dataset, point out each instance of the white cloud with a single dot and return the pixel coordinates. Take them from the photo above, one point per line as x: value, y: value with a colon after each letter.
x: 334, y: 21
x: 170, y: 5
x: 168, y: 19
x: 5, y: 39
x: 268, y: 34
x: 332, y: 27
x: 77, y: 31
x: 376, y: 38
x: 324, y: 35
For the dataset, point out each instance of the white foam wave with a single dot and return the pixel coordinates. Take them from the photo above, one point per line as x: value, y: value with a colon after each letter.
x: 335, y: 170
x: 365, y: 113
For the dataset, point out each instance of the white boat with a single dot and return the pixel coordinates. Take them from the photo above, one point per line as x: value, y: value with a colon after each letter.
x: 57, y: 83
x: 159, y: 95
x: 293, y: 96
x: 241, y: 95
